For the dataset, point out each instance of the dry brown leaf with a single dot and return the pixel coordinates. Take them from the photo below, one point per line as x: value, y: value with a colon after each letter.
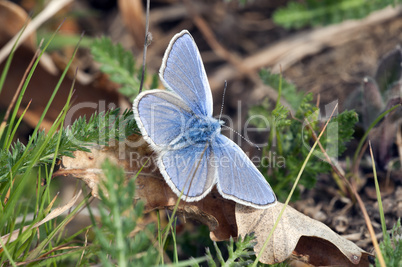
x: 53, y: 214
x: 297, y: 236
x: 214, y: 211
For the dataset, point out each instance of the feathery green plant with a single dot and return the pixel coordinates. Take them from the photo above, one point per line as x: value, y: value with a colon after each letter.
x: 99, y: 129
x: 123, y: 241
x: 290, y: 143
x: 391, y: 246
x: 324, y: 12
x: 239, y: 253
x: 119, y: 64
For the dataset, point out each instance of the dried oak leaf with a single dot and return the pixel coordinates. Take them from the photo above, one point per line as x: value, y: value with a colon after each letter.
x: 214, y: 211
x: 297, y: 236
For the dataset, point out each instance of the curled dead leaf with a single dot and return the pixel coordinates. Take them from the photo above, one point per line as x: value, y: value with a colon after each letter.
x: 297, y: 236
x: 214, y: 211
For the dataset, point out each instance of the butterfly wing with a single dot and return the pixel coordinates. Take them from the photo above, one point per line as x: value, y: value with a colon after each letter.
x: 238, y: 178
x: 188, y: 170
x: 183, y: 72
x: 161, y: 117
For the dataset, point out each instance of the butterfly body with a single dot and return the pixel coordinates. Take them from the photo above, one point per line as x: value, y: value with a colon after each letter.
x: 202, y: 129
x: 192, y: 154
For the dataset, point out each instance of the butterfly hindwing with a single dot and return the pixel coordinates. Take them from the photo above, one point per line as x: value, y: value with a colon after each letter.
x: 183, y: 72
x: 238, y: 178
x: 189, y: 170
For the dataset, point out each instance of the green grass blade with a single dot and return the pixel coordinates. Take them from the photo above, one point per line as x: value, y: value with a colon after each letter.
x: 36, y: 252
x: 378, y: 193
x: 10, y: 57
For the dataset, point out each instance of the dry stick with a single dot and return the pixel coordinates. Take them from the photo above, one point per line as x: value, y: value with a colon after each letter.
x: 399, y: 144
x: 318, y: 100
x: 85, y: 246
x: 292, y: 49
x: 361, y: 204
x: 146, y: 43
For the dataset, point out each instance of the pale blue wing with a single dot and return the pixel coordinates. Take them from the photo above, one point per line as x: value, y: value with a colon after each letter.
x: 161, y: 117
x: 183, y: 72
x: 189, y: 169
x: 238, y: 178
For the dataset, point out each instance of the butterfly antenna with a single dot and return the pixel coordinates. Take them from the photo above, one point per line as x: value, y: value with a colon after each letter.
x: 244, y: 138
x: 223, y: 98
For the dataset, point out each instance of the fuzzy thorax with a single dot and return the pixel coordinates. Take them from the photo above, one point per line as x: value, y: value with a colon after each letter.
x: 198, y: 130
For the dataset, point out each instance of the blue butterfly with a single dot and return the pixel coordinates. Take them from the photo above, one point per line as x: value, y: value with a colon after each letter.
x: 192, y: 155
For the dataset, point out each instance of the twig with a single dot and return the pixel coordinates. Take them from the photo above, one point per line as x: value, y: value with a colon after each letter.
x: 399, y: 143
x: 147, y: 42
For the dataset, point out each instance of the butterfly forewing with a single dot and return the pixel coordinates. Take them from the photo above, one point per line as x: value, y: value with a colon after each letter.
x: 161, y: 117
x: 183, y: 72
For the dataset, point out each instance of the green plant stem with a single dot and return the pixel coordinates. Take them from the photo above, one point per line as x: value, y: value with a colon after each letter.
x: 10, y: 258
x: 278, y: 99
x: 10, y: 57
x: 378, y: 192
x: 117, y: 225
